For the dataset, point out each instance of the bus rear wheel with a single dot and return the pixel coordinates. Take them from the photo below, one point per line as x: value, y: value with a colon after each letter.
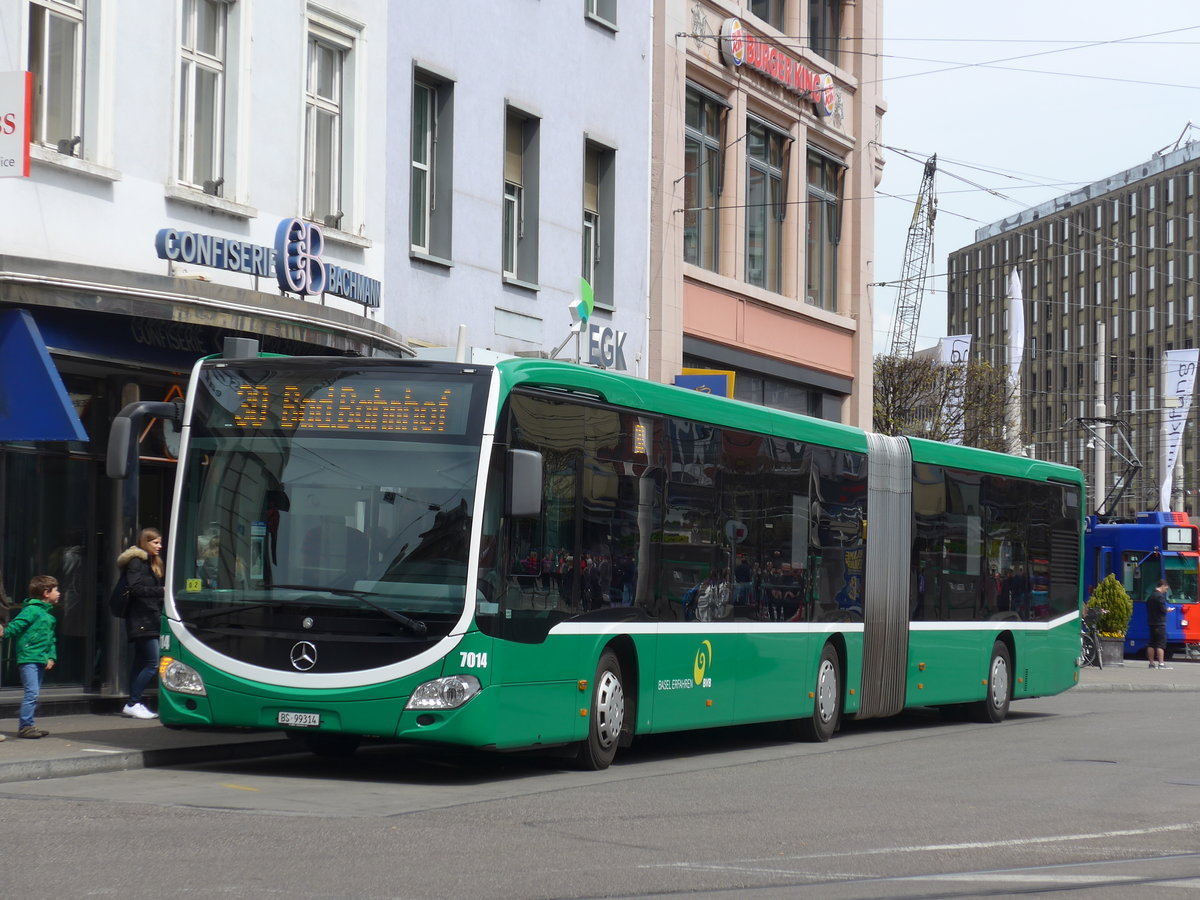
x: 827, y: 700
x: 606, y: 717
x: 994, y: 706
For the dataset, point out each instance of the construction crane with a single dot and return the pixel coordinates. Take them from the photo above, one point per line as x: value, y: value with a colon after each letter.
x: 917, y: 250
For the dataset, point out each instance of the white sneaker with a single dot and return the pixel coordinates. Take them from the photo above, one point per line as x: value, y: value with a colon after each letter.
x: 138, y: 711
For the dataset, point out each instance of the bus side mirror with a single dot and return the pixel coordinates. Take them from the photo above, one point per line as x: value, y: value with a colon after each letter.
x: 117, y: 461
x: 524, y: 483
x: 122, y: 456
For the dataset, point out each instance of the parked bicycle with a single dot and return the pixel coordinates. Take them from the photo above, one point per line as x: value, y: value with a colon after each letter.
x: 1089, y: 640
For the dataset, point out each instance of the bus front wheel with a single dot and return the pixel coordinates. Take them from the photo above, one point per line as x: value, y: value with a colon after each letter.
x: 994, y: 706
x: 606, y: 717
x: 827, y: 700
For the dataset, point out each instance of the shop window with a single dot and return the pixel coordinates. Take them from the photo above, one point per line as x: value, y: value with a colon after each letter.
x: 520, y: 239
x: 766, y: 204
x: 202, y: 66
x: 432, y: 166
x: 598, y: 221
x: 825, y: 176
x: 703, y: 127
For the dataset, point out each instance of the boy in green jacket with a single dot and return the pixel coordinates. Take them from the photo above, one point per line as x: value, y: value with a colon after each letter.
x: 33, y: 631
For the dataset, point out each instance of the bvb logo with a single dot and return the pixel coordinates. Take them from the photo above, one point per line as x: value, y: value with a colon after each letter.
x: 703, y: 659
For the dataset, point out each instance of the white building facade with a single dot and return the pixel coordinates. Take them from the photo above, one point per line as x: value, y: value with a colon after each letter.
x: 518, y: 163
x: 171, y: 143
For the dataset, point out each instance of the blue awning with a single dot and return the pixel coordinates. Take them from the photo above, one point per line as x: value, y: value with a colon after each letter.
x: 34, y: 405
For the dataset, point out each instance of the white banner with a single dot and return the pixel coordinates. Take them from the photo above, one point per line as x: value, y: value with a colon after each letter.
x: 1016, y: 354
x: 16, y: 106
x: 1178, y: 381
x: 955, y: 350
x: 1016, y: 326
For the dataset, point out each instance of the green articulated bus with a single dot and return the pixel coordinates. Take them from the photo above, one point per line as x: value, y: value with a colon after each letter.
x: 533, y: 554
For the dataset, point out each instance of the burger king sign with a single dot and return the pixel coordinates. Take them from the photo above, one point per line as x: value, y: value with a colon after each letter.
x: 739, y: 48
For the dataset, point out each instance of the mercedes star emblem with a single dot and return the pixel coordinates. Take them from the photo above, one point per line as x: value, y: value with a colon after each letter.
x: 307, y: 623
x: 304, y: 655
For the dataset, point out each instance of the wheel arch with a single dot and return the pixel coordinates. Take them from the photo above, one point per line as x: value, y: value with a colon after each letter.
x: 1008, y: 639
x: 625, y: 649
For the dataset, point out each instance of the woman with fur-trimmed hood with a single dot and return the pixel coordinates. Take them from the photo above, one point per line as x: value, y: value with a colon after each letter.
x: 144, y: 571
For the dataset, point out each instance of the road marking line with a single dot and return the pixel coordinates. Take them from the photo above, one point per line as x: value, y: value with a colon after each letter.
x: 933, y: 848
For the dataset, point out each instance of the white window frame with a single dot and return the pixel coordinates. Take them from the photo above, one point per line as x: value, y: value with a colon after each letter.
x: 591, y: 245
x: 191, y: 61
x: 601, y: 11
x: 513, y: 226
x: 75, y: 12
x: 315, y: 104
x: 421, y: 203
x: 521, y: 204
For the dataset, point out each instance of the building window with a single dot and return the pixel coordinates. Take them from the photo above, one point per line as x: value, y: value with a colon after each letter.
x: 325, y: 127
x: 202, y: 63
x: 770, y: 11
x: 520, y: 197
x: 824, y: 27
x: 824, y: 228
x: 604, y: 10
x: 599, y: 219
x: 432, y: 166
x: 56, y: 43
x: 703, y: 125
x: 765, y: 204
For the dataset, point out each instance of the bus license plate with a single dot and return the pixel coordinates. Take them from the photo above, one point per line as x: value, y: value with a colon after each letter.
x: 300, y: 720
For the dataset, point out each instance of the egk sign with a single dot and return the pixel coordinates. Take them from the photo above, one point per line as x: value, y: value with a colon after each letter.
x: 739, y: 48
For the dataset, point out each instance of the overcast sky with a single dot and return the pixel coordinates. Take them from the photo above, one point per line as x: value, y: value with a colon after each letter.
x: 1028, y: 98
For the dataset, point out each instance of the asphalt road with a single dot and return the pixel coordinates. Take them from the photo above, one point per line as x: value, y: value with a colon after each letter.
x: 1092, y: 794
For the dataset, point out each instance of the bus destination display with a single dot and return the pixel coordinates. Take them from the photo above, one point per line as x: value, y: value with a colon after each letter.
x: 356, y: 403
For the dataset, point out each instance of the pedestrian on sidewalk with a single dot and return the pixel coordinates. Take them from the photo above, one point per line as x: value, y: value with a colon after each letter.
x: 143, y: 572
x: 32, y: 630
x: 1156, y: 619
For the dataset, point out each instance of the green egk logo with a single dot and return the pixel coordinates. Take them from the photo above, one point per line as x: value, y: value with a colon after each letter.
x: 703, y: 661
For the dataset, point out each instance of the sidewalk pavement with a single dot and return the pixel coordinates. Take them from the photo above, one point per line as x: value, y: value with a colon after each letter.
x: 1136, y: 675
x: 99, y: 740
x: 83, y: 744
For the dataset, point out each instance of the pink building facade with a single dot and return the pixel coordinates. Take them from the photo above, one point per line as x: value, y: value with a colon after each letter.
x: 762, y: 211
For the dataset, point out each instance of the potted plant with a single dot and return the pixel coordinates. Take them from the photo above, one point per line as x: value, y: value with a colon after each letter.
x: 1111, y: 597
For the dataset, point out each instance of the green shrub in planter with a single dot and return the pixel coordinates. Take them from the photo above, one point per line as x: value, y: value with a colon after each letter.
x: 1118, y: 607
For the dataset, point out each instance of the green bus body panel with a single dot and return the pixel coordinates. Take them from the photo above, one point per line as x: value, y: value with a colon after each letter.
x: 955, y: 663
x: 972, y: 458
x: 667, y: 399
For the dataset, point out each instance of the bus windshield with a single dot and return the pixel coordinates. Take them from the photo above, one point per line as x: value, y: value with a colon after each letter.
x: 337, y: 497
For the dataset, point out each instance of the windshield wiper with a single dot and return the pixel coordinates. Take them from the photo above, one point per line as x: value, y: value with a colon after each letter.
x: 412, y: 626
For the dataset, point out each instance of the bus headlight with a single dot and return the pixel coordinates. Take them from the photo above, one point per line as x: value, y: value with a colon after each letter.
x: 450, y: 692
x: 180, y: 678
